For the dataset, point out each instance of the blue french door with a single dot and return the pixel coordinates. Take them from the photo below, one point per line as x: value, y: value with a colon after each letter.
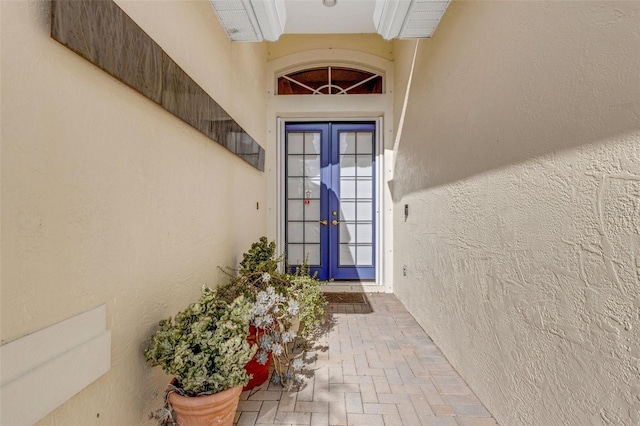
x: 330, y: 199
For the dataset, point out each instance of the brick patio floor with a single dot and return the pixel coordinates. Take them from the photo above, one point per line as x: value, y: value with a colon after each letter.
x: 375, y: 366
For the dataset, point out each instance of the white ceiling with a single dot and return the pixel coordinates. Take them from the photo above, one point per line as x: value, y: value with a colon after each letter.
x: 257, y: 20
x: 312, y: 17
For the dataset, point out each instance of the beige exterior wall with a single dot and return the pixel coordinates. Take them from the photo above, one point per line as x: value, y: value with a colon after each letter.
x: 519, y: 160
x: 108, y: 198
x: 289, y: 44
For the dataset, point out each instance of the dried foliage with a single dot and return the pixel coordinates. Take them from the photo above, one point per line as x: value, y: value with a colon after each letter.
x: 205, y: 346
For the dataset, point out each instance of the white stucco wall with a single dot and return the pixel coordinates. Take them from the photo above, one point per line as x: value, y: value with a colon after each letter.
x: 108, y: 198
x: 519, y: 160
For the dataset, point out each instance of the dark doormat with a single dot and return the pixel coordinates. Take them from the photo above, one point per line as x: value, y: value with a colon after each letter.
x: 349, y: 298
x: 348, y: 303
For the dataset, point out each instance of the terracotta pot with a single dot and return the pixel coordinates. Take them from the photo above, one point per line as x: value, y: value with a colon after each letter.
x: 259, y: 372
x: 295, y: 325
x: 217, y: 409
x: 279, y: 364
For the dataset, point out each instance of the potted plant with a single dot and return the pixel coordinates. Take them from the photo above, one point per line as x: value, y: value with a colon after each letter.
x: 205, y: 347
x: 307, y: 291
x: 247, y: 280
x: 287, y: 308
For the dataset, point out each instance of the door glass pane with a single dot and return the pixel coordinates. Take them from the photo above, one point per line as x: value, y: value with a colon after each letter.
x: 295, y: 232
x: 347, y: 188
x: 365, y: 210
x: 364, y: 142
x: 313, y: 254
x: 311, y: 210
x: 347, y: 143
x: 296, y: 165
x: 365, y: 165
x: 348, y: 165
x: 295, y: 143
x: 365, y: 233
x: 347, y: 210
x: 303, y: 194
x: 295, y: 188
x: 364, y: 255
x: 364, y: 188
x: 312, y: 188
x: 312, y: 166
x: 347, y: 232
x: 312, y: 232
x: 295, y: 209
x: 295, y: 253
x: 356, y: 184
x: 347, y: 255
x: 312, y: 143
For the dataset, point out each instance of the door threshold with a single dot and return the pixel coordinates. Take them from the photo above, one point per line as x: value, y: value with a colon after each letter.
x: 353, y: 287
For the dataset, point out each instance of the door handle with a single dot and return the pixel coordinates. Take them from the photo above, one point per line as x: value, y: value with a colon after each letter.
x: 323, y: 222
x: 335, y: 222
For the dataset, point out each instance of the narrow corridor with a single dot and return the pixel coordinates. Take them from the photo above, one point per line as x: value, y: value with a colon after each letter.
x: 376, y: 366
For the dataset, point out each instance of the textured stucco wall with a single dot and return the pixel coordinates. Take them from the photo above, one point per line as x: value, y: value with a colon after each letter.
x: 108, y: 198
x: 520, y: 162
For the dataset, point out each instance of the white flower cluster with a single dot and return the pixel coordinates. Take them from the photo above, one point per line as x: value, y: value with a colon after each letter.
x: 268, y: 313
x: 267, y: 304
x: 272, y: 314
x: 294, y: 308
x: 288, y: 336
x: 297, y: 364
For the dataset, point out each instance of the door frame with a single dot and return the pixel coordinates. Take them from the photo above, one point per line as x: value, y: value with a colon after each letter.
x: 375, y: 107
x: 378, y: 172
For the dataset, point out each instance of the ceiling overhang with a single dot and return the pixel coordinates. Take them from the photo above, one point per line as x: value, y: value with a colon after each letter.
x: 408, y: 18
x: 258, y: 20
x: 251, y: 20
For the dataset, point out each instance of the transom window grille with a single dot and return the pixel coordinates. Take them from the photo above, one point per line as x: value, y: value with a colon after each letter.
x: 330, y: 80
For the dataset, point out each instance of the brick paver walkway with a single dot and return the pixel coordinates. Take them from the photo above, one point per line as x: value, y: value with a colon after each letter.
x: 376, y: 366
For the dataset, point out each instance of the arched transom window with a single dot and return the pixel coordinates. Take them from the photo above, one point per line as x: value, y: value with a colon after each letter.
x: 330, y: 80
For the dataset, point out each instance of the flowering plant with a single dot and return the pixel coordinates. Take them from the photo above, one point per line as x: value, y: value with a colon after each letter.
x: 275, y: 315
x: 287, y: 308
